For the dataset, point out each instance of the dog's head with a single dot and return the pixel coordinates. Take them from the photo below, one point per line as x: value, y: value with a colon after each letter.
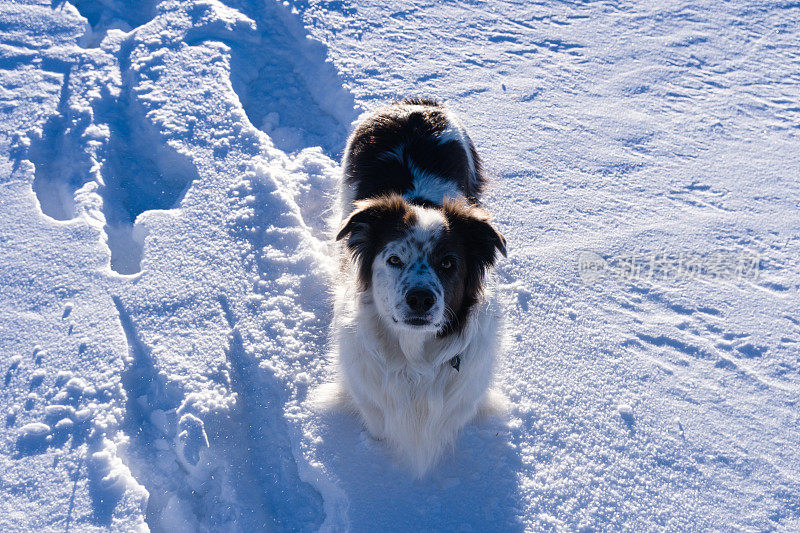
x: 424, y: 265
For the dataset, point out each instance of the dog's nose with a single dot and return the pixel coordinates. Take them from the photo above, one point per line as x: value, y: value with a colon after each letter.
x: 420, y: 300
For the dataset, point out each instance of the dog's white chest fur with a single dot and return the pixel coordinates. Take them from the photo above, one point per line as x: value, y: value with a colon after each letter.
x: 405, y: 388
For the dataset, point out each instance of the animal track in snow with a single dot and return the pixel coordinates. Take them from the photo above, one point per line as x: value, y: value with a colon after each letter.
x: 139, y: 174
x: 105, y: 15
x: 218, y: 467
x: 99, y: 153
x: 264, y: 426
x: 290, y: 67
x: 62, y: 165
x: 149, y: 419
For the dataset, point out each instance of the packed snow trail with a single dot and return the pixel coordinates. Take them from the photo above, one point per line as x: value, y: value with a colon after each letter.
x: 166, y: 177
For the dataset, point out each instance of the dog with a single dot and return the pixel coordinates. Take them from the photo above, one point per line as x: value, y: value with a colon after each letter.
x: 416, y: 329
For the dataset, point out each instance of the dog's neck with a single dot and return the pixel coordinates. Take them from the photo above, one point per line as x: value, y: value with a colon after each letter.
x: 426, y: 352
x: 413, y: 343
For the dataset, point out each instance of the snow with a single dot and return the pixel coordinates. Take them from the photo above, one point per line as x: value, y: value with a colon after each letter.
x: 167, y: 172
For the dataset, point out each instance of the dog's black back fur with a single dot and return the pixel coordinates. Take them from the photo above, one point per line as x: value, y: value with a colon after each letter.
x: 410, y: 129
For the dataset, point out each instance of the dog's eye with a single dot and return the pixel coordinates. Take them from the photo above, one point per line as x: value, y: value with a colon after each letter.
x: 394, y: 261
x: 446, y: 263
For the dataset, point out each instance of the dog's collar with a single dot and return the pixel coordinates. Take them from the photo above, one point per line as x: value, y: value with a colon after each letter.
x: 455, y: 362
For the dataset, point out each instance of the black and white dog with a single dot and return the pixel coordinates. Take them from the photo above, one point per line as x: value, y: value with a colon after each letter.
x: 415, y: 328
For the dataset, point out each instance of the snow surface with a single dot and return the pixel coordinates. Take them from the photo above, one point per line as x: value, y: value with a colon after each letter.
x: 166, y: 173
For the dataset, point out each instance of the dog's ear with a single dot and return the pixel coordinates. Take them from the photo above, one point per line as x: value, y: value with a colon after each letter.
x: 491, y: 239
x: 374, y: 215
x: 358, y: 220
x: 480, y: 238
x: 373, y: 222
x: 484, y: 241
